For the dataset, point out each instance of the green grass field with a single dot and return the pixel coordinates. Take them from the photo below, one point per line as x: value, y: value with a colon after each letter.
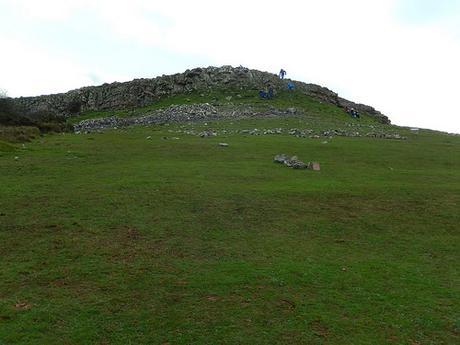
x: 113, y: 238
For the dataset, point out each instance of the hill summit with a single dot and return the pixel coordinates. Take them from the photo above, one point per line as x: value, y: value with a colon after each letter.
x: 144, y: 92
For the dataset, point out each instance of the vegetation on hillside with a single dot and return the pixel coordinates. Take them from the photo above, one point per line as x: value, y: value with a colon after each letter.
x: 234, y: 98
x: 130, y: 237
x: 18, y: 126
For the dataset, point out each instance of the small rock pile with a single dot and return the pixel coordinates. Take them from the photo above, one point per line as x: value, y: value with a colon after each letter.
x: 294, y: 163
x: 207, y: 133
x: 395, y: 136
x: 298, y: 133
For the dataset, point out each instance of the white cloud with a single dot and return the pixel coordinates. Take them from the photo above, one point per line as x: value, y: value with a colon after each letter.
x: 28, y: 69
x: 48, y: 9
x: 360, y: 48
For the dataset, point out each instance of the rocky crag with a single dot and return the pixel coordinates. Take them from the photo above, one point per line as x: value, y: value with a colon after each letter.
x: 143, y: 92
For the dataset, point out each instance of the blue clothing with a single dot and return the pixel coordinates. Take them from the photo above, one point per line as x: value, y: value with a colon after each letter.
x: 270, y: 92
x: 266, y: 95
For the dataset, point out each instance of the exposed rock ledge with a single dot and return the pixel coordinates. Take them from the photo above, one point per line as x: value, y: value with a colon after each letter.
x: 142, y: 92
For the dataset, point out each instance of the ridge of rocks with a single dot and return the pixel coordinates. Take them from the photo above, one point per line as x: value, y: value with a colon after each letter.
x: 180, y: 113
x: 143, y: 92
x: 189, y: 115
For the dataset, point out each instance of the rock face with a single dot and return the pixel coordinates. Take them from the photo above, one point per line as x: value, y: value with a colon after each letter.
x: 142, y: 92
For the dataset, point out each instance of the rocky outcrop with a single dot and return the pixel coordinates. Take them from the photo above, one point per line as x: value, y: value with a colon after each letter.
x: 142, y: 92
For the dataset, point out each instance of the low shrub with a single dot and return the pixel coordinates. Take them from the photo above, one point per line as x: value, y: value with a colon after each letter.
x: 13, y: 116
x: 19, y: 134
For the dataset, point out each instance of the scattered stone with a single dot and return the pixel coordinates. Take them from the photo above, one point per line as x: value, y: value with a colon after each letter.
x: 386, y: 136
x: 314, y: 166
x: 291, y: 162
x: 295, y: 163
x: 223, y: 144
x: 191, y: 113
x: 207, y: 133
x: 149, y: 137
x: 280, y: 158
x: 16, y: 158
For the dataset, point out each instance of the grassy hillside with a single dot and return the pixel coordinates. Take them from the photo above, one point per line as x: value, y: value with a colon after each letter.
x: 284, y: 99
x: 114, y: 238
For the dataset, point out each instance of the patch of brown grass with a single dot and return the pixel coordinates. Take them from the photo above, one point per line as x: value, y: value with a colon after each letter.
x: 19, y: 134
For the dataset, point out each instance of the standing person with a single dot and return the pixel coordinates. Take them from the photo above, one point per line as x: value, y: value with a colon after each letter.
x: 282, y: 73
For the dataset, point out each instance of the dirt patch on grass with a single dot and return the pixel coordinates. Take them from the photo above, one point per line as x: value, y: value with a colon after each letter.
x: 319, y: 328
x: 22, y: 305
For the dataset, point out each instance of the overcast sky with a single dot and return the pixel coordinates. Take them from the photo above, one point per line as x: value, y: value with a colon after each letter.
x: 400, y: 56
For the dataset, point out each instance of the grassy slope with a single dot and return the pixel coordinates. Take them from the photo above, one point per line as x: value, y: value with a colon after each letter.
x: 114, y: 239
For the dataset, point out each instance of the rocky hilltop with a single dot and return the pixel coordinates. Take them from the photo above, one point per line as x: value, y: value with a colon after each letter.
x: 142, y: 92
